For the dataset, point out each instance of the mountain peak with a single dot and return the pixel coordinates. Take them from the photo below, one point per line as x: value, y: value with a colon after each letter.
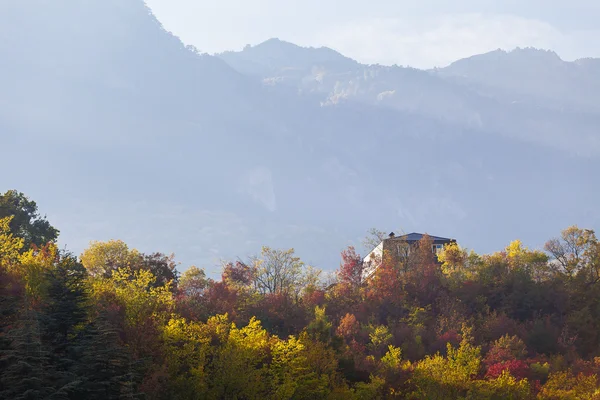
x: 528, y: 58
x: 274, y: 43
x: 525, y: 54
x: 535, y: 53
x: 275, y: 54
x: 283, y: 48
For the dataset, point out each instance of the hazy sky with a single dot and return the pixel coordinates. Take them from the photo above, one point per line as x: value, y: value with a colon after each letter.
x: 406, y: 32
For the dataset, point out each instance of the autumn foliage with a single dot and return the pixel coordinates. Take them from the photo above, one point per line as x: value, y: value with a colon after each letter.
x: 116, y: 323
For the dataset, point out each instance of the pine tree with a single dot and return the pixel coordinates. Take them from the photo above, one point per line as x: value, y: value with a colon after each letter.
x: 64, y: 316
x: 26, y: 370
x: 105, y: 366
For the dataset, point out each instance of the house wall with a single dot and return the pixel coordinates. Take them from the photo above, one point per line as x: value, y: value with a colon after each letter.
x: 372, y: 260
x: 396, y: 250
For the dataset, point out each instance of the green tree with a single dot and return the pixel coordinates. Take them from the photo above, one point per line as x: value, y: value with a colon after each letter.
x: 64, y: 316
x: 105, y: 368
x: 27, y: 223
x: 26, y: 371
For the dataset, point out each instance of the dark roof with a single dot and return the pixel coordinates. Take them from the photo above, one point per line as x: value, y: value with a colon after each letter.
x: 415, y: 237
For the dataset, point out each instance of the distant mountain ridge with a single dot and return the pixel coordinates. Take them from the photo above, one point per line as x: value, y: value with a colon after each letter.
x: 276, y: 55
x: 118, y: 130
x: 484, y: 90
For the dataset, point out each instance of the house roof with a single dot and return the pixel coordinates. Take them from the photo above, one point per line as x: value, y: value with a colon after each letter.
x: 415, y: 237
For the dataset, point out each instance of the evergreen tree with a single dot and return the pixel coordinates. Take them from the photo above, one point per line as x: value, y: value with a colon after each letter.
x: 26, y: 370
x: 105, y: 367
x: 64, y: 315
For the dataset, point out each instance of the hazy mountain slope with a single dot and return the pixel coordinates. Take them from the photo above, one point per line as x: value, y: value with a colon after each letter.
x: 277, y: 56
x: 536, y: 77
x: 515, y: 94
x: 332, y: 78
x: 116, y: 129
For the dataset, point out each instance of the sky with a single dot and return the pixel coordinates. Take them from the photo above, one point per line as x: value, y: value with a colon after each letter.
x: 422, y: 34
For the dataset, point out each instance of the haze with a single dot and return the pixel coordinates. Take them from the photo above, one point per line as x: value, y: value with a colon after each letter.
x: 420, y: 34
x: 119, y: 131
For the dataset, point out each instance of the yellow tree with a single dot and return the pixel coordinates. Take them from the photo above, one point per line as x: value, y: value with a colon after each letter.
x: 239, y: 367
x: 437, y: 377
x: 102, y: 258
x: 10, y: 246
x: 186, y: 350
x: 146, y: 307
x: 34, y: 266
x: 534, y: 262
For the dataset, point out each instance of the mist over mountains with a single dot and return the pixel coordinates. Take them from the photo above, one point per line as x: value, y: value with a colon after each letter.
x: 117, y: 128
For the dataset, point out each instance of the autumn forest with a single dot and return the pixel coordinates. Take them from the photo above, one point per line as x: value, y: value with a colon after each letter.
x: 115, y: 323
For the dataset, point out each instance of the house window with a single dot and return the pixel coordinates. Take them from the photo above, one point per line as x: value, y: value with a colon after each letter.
x: 437, y: 248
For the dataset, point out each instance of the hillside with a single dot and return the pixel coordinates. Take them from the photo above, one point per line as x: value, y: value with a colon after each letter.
x: 121, y: 131
x: 119, y: 323
x: 531, y: 76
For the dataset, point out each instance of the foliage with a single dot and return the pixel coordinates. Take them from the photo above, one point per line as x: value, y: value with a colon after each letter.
x: 351, y: 269
x: 102, y: 258
x: 26, y: 223
x: 281, y: 271
x: 564, y: 385
x: 10, y: 246
x: 515, y: 324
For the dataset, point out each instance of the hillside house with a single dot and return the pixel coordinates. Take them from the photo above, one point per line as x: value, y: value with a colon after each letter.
x: 400, y: 247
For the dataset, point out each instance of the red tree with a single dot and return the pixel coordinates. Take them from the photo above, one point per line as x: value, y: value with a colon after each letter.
x: 351, y: 268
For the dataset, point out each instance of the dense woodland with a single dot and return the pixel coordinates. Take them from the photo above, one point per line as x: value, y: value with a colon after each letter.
x: 117, y: 323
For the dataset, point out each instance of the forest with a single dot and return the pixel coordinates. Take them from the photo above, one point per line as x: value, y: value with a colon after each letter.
x: 115, y: 323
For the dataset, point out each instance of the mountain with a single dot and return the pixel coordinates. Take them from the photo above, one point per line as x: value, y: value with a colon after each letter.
x: 513, y: 93
x: 531, y: 76
x: 117, y: 128
x: 279, y: 57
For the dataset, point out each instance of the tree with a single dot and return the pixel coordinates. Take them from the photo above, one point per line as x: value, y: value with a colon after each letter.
x: 102, y: 258
x: 237, y: 370
x: 193, y: 282
x: 10, y: 246
x: 26, y: 372
x: 320, y: 328
x: 454, y: 261
x: 280, y: 271
x: 163, y: 267
x: 26, y: 223
x: 349, y: 327
x: 145, y: 306
x: 187, y: 346
x: 239, y: 274
x: 438, y: 377
x: 374, y: 237
x: 191, y: 291
x: 33, y: 268
x: 351, y: 268
x: 422, y: 255
x: 105, y: 367
x: 574, y: 250
x: 64, y: 315
x: 565, y: 385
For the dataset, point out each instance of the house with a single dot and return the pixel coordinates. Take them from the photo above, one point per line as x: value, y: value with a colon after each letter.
x: 400, y: 247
